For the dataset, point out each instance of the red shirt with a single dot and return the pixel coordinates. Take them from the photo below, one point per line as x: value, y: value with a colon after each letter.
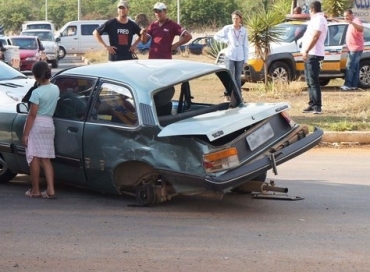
x: 162, y: 38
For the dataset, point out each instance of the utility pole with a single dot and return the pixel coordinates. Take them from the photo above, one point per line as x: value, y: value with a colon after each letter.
x: 178, y: 11
x: 78, y: 10
x: 46, y: 10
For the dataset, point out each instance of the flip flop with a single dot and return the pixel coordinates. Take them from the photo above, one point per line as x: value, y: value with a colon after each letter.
x: 30, y: 195
x: 44, y: 194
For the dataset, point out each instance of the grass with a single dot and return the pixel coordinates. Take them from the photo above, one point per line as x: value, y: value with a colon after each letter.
x: 342, y: 111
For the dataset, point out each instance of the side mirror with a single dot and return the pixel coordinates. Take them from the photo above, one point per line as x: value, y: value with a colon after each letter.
x: 22, y: 108
x: 57, y: 39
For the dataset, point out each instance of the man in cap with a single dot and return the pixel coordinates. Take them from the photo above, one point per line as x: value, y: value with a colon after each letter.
x: 162, y: 32
x: 121, y: 31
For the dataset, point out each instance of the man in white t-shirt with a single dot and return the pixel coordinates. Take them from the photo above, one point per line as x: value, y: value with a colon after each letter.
x: 313, y: 52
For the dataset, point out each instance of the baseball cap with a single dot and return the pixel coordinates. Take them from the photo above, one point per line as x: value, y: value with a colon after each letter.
x: 160, y: 6
x: 122, y: 4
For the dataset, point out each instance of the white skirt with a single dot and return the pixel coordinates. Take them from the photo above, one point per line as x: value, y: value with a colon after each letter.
x: 41, y: 139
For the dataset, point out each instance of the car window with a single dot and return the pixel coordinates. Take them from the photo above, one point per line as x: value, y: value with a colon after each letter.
x: 39, y: 26
x: 74, y: 96
x: 7, y: 72
x: 43, y: 36
x: 115, y: 104
x: 335, y: 34
x: 88, y: 29
x: 367, y: 34
x: 25, y: 43
x: 290, y: 32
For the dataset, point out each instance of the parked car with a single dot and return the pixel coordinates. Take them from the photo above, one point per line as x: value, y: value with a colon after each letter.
x: 9, y: 53
x: 196, y: 46
x: 285, y: 61
x: 13, y: 86
x: 48, y: 41
x: 159, y: 137
x: 76, y: 37
x: 31, y: 50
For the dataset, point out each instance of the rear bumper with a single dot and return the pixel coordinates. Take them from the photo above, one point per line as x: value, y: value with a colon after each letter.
x: 238, y: 176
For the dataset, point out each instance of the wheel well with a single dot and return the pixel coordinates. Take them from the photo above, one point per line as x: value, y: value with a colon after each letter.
x: 286, y: 58
x: 132, y: 173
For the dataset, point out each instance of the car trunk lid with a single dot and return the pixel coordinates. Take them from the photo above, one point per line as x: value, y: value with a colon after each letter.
x: 217, y: 124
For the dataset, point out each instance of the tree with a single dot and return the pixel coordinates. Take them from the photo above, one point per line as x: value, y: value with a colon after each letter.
x: 262, y: 31
x: 335, y: 8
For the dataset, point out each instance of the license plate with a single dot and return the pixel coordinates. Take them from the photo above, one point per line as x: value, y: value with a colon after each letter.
x: 260, y: 136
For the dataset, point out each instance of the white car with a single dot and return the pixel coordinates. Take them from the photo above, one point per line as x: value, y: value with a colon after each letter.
x: 285, y: 60
x: 13, y: 86
x: 48, y: 41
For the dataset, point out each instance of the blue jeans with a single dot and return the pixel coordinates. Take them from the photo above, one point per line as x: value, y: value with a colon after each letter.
x: 311, y: 73
x: 235, y: 68
x: 353, y: 69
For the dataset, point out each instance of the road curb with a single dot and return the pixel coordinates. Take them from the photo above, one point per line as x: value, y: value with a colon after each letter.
x: 347, y: 137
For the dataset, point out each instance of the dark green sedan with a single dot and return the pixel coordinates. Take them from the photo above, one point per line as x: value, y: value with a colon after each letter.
x: 145, y: 128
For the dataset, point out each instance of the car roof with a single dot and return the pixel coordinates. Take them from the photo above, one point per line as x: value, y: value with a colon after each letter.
x: 36, y: 30
x: 146, y: 75
x: 23, y: 37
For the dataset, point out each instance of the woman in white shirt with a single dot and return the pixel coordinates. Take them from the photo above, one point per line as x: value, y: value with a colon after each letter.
x: 236, y: 37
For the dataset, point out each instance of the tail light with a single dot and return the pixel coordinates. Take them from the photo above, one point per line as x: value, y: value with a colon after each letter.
x: 288, y: 119
x: 221, y: 160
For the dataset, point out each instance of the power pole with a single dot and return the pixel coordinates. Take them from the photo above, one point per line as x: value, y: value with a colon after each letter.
x: 178, y: 11
x: 78, y: 10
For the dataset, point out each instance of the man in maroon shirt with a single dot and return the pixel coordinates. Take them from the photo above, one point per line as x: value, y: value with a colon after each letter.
x: 162, y: 32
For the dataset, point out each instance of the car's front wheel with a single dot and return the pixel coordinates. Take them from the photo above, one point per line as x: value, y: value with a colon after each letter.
x: 364, y: 78
x: 279, y: 72
x: 61, y: 52
x: 5, y: 174
x: 54, y: 63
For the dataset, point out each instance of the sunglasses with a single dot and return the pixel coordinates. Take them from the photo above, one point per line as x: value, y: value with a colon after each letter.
x: 157, y: 11
x: 122, y: 7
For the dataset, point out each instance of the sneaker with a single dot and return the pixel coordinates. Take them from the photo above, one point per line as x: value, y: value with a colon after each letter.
x: 353, y: 88
x: 317, y: 111
x: 345, y: 88
x: 308, y: 109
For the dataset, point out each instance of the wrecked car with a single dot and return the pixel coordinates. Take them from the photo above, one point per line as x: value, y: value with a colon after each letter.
x: 148, y: 128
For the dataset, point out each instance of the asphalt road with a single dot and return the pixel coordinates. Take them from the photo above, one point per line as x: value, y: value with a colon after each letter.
x: 86, y: 231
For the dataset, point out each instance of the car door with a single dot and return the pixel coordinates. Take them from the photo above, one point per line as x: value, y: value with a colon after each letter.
x: 69, y: 38
x: 335, y: 53
x: 87, y: 41
x: 69, y: 121
x: 111, y: 132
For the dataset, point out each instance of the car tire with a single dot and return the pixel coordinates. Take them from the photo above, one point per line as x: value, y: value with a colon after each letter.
x: 54, y: 63
x: 324, y: 81
x: 5, y: 174
x: 61, y: 52
x: 364, y: 78
x: 244, y: 188
x: 280, y: 72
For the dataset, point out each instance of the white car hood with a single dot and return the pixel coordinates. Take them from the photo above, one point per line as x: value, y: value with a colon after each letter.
x: 220, y: 123
x: 17, y: 88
